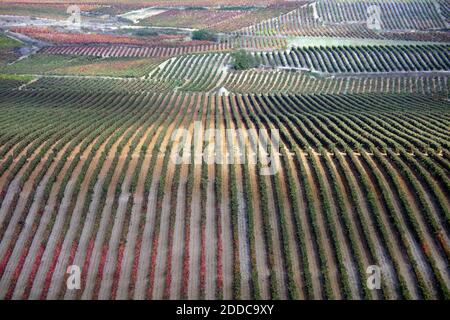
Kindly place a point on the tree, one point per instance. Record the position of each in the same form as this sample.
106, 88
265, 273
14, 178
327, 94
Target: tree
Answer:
203, 35
243, 60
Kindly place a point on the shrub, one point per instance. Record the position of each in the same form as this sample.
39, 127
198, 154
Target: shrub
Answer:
243, 60
203, 35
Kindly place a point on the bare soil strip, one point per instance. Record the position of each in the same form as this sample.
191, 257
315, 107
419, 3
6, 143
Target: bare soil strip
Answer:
350, 211
210, 232
345, 250
145, 251
278, 256
400, 255
63, 210
195, 228
178, 240
85, 239
66, 254
99, 246
227, 239
416, 247
313, 258
26, 233
161, 262
260, 247
116, 244
244, 250
326, 245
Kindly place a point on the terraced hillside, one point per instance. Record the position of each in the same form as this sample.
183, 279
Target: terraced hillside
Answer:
347, 18
362, 59
244, 82
97, 188
92, 173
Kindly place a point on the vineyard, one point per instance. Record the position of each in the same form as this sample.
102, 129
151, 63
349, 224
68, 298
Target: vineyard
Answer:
97, 189
91, 122
418, 15
245, 82
129, 51
413, 20
362, 59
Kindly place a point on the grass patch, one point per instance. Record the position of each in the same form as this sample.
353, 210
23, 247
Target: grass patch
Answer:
115, 67
16, 77
7, 42
58, 12
82, 65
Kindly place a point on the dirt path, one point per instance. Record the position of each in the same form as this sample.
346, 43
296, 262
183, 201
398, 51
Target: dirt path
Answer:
412, 243
345, 250
163, 243
63, 260
133, 234
143, 268
195, 227
146, 247
116, 236
260, 246
99, 245
41, 275
211, 237
278, 256
276, 238
363, 254
244, 250
28, 224
178, 237
227, 238
313, 259
321, 224
294, 248
400, 257
210, 227
160, 268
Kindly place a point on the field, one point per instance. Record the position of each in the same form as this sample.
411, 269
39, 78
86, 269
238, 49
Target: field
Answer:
147, 3
7, 49
91, 121
58, 12
83, 66
100, 194
221, 19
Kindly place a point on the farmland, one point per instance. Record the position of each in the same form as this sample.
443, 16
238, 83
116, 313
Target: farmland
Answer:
221, 19
7, 49
92, 120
